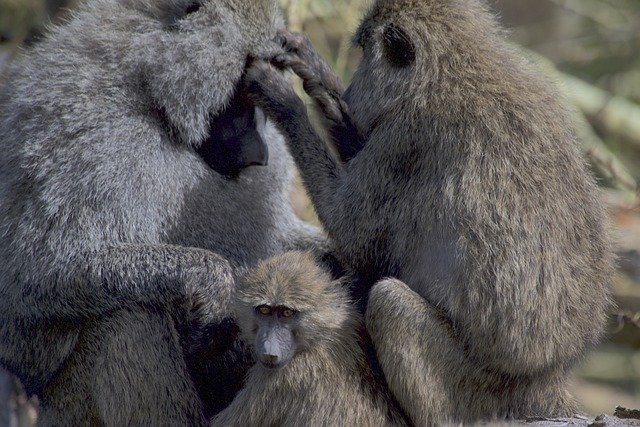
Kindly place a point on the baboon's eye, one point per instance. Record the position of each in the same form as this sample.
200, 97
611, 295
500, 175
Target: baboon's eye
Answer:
263, 310
193, 7
287, 312
399, 50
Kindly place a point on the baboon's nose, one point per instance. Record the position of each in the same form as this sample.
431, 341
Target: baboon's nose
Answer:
259, 157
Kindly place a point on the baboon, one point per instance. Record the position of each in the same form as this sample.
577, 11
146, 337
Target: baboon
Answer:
120, 232
309, 343
466, 184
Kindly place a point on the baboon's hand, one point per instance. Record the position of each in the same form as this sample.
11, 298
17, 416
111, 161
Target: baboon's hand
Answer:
209, 290
319, 81
271, 91
269, 50
298, 53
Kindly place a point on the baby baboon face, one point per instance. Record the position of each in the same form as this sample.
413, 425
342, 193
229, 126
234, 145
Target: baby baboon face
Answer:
287, 305
275, 336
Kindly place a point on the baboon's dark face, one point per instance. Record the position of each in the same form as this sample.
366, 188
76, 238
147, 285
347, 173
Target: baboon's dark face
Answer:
236, 140
288, 305
275, 343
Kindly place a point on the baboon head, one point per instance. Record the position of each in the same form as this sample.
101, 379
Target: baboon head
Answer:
415, 52
287, 305
187, 57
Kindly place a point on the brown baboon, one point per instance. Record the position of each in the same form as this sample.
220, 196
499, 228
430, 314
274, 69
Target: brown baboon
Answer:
461, 178
309, 344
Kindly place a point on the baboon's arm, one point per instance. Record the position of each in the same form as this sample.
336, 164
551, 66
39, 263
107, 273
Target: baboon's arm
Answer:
416, 350
321, 172
326, 89
122, 276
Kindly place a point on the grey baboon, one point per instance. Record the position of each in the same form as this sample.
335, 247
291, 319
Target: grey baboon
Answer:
119, 239
309, 344
466, 184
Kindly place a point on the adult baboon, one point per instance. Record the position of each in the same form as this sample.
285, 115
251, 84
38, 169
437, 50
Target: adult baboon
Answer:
466, 184
115, 235
309, 344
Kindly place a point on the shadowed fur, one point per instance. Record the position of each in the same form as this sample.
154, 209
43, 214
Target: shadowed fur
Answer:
117, 242
328, 380
463, 180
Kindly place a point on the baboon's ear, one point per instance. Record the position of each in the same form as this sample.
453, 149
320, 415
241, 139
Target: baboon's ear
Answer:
397, 46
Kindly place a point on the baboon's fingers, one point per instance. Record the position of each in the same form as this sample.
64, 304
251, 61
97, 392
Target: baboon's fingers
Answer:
259, 75
297, 64
305, 73
286, 60
270, 90
305, 61
269, 51
293, 42
328, 104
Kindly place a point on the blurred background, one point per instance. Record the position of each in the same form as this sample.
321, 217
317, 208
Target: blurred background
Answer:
591, 48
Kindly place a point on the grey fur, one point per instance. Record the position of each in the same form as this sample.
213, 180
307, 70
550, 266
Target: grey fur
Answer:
471, 190
8, 413
329, 381
114, 234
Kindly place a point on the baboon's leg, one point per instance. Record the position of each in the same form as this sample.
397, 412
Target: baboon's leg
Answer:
412, 346
436, 379
128, 369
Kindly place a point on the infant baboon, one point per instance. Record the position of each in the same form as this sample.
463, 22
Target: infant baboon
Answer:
309, 344
123, 214
466, 184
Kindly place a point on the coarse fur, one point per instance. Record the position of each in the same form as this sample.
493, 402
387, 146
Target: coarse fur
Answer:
328, 381
117, 242
464, 181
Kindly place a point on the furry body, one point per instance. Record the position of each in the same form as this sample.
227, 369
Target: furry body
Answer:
117, 241
464, 182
